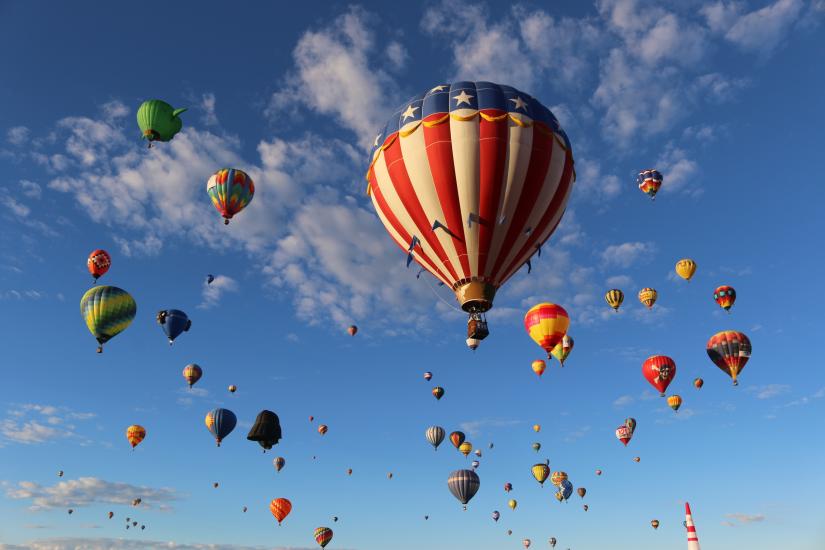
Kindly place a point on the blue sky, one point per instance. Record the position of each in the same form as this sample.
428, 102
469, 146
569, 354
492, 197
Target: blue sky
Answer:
723, 98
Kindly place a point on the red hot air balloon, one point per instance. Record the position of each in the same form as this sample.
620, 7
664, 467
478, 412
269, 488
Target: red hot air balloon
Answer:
470, 179
730, 351
98, 263
352, 330
624, 434
659, 370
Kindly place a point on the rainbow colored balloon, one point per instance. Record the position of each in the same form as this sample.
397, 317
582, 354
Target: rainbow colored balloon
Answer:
231, 190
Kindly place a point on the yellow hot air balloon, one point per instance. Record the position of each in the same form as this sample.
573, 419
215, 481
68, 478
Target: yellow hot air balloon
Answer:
465, 448
674, 402
541, 472
563, 349
614, 298
512, 504
685, 268
547, 324
536, 428
648, 297
135, 434
539, 366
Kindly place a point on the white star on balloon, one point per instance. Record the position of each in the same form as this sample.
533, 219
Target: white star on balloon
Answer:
437, 89
520, 103
410, 112
463, 97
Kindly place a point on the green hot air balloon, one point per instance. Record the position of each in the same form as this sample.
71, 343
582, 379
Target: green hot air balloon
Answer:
158, 120
108, 311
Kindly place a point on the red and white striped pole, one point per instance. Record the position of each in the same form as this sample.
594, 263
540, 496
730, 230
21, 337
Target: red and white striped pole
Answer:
693, 540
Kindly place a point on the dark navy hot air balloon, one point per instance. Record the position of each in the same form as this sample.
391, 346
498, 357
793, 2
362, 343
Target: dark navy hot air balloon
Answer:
174, 322
220, 423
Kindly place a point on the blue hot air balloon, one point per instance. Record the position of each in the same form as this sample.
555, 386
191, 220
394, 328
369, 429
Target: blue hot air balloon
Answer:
566, 489
220, 423
173, 322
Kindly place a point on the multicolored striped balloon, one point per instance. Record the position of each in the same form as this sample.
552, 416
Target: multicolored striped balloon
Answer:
323, 535
547, 324
649, 182
231, 190
108, 311
563, 349
730, 351
540, 472
725, 296
648, 296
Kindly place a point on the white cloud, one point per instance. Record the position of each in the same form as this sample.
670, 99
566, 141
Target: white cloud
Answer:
335, 75
31, 189
623, 400
592, 183
87, 491
769, 390
397, 55
475, 428
33, 424
18, 135
114, 110
746, 518
213, 291
30, 294
626, 254
207, 105
719, 88
17, 208
679, 171
760, 30
619, 281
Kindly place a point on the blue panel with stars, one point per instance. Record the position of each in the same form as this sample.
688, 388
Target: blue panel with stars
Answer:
490, 96
463, 95
437, 100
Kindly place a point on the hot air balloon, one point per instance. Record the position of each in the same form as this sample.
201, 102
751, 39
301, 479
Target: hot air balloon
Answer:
463, 484
349, 471
323, 535
142, 527
322, 429
475, 464
136, 501
279, 463
280, 508
335, 519
563, 349
536, 446
134, 524
60, 473
598, 472
311, 418
158, 121
192, 373
215, 485
730, 351
585, 507
220, 423
71, 511
174, 322
547, 324
539, 366
540, 472
352, 330
457, 438
685, 268
552, 542
674, 402
244, 509
648, 297
209, 279
111, 515
435, 435
725, 296
654, 523
428, 376
512, 503
565, 489
426, 518
698, 382
266, 430
659, 370
438, 392
232, 388
509, 532
98, 263
614, 298
526, 543
581, 491
108, 311
536, 428
630, 422
557, 477
477, 452
456, 188
636, 459
135, 434
624, 434
649, 182
465, 448
231, 190
496, 515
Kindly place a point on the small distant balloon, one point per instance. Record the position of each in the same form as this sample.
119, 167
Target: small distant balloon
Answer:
457, 438
279, 463
475, 464
648, 297
215, 485
111, 515
598, 472
232, 388
465, 448
438, 392
192, 373
428, 376
322, 429
539, 366
323, 535
685, 268
512, 503
725, 296
209, 279
636, 459
280, 508
586, 507
98, 263
536, 446
174, 322
654, 523
674, 402
536, 428
135, 434
477, 452
352, 330
508, 487
349, 471
496, 515
60, 473
698, 382
244, 509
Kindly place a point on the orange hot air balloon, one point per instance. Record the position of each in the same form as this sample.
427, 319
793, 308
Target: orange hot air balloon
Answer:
352, 330
135, 434
322, 429
98, 263
280, 508
654, 523
698, 383
636, 459
539, 366
547, 324
730, 351
648, 297
674, 402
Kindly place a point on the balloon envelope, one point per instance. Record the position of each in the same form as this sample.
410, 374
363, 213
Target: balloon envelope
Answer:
463, 484
108, 311
730, 351
220, 423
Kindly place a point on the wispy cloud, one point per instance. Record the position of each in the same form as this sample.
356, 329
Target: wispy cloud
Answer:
626, 254
207, 105
623, 400
18, 135
212, 292
31, 189
31, 424
87, 491
577, 434
819, 394
746, 518
477, 427
768, 391
760, 30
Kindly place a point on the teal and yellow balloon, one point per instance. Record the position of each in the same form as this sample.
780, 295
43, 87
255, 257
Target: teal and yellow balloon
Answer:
108, 311
231, 190
159, 121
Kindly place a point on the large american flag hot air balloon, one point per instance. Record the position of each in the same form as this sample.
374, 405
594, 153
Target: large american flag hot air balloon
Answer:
471, 178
